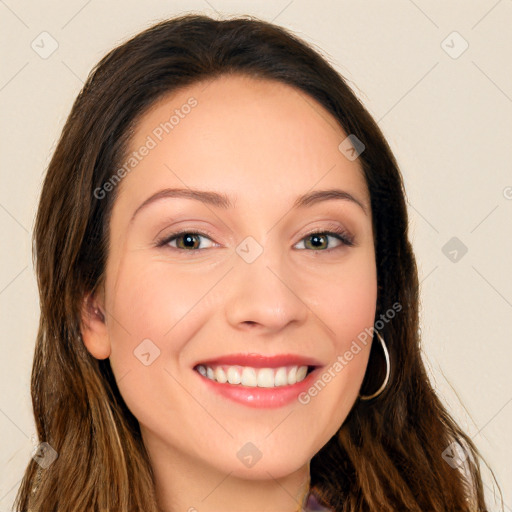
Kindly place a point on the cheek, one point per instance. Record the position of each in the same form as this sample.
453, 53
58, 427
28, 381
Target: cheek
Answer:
346, 301
154, 313
149, 302
347, 306
351, 308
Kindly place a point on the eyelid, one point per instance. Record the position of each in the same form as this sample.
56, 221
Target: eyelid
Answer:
162, 242
331, 229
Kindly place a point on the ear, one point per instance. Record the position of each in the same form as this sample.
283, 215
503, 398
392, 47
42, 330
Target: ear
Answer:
94, 328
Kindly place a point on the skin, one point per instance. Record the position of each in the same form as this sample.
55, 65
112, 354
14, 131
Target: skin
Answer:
263, 143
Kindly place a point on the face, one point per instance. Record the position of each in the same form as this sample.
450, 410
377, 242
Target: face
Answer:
214, 258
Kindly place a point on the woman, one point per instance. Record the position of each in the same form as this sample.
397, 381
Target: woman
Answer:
229, 298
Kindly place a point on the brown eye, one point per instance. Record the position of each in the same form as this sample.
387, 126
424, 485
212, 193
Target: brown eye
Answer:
319, 241
184, 240
190, 241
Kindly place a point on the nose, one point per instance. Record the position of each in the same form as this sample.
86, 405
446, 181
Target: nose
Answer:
262, 296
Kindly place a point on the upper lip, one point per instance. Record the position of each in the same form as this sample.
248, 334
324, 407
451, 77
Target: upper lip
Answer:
261, 361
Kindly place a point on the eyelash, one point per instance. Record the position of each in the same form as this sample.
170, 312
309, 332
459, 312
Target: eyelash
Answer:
334, 231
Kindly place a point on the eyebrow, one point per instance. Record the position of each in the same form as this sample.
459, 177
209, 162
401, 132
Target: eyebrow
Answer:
221, 200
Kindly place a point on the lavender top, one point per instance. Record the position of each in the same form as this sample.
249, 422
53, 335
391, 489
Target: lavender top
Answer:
313, 505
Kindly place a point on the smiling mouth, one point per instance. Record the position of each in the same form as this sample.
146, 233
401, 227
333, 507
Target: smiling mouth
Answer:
255, 377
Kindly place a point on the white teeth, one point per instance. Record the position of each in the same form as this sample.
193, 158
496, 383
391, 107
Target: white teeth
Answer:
292, 375
281, 377
220, 375
249, 377
266, 378
254, 377
233, 376
301, 373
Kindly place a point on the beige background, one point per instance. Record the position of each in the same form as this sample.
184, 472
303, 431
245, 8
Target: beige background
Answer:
447, 117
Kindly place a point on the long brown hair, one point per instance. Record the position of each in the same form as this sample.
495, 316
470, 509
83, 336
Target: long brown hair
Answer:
387, 455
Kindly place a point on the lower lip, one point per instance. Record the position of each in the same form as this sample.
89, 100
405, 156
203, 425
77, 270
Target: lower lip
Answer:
260, 398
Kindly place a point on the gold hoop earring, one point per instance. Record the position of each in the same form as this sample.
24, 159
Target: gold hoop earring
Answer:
388, 371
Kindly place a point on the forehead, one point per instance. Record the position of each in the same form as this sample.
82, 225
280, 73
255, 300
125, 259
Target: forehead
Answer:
257, 140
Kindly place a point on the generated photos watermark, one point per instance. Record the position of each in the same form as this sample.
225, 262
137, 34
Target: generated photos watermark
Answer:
343, 360
151, 142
